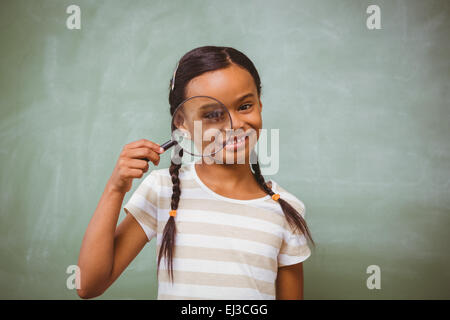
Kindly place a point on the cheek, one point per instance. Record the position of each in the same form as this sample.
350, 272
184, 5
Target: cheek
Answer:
257, 124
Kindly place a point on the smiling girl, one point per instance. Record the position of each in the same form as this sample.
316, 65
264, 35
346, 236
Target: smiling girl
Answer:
222, 231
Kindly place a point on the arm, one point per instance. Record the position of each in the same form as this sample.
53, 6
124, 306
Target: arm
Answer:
107, 251
289, 283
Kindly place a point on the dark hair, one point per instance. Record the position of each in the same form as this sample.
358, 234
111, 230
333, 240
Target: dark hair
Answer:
191, 65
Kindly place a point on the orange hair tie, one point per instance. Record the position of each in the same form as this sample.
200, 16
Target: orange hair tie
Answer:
276, 196
173, 213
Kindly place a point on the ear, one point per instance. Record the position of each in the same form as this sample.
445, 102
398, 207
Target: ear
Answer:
260, 105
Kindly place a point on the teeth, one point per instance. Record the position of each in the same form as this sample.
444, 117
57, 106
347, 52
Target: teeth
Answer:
236, 140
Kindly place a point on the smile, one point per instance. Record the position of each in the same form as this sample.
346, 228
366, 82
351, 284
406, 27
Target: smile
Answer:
236, 143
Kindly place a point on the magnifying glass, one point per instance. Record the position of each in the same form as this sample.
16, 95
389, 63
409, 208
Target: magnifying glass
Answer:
201, 126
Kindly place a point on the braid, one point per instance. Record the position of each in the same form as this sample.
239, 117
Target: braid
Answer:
176, 191
295, 220
260, 178
168, 240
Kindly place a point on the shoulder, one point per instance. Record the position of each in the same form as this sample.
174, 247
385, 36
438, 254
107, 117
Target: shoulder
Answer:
163, 176
291, 198
184, 170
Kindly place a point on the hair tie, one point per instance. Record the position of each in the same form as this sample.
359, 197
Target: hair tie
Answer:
173, 77
276, 196
173, 213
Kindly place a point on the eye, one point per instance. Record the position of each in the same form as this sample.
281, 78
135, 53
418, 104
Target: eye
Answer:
213, 116
245, 106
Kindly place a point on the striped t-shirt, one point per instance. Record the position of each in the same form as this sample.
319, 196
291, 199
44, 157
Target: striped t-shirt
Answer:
224, 248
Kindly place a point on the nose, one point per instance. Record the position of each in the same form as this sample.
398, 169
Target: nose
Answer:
236, 121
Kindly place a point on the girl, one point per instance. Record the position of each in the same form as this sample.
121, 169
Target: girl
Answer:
221, 231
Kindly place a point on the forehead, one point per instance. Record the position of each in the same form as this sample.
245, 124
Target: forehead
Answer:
226, 85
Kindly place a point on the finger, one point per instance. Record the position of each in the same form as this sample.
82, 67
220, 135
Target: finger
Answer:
137, 164
135, 173
141, 153
146, 143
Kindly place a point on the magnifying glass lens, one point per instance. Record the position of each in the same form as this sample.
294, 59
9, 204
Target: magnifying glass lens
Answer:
201, 125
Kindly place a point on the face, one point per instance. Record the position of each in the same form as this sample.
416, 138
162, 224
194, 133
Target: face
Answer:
235, 88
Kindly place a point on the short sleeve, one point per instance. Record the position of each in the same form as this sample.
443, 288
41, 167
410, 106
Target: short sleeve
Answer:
294, 248
143, 204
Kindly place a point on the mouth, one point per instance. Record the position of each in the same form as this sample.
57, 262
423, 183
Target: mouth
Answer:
236, 142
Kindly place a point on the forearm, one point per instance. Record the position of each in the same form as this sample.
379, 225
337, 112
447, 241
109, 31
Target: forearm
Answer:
97, 249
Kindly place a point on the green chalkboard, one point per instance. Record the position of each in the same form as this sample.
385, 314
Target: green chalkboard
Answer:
363, 115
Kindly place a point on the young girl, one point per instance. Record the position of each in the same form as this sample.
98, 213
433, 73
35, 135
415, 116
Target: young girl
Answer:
221, 231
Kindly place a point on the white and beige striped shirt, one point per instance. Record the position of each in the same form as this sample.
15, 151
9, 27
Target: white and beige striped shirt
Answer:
224, 248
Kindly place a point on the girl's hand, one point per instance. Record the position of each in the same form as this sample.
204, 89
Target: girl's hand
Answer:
133, 163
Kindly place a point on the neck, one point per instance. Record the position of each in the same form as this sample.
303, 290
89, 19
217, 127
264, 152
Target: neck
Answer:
230, 175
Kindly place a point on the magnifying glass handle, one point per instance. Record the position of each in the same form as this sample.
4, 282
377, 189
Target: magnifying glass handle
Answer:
165, 146
168, 144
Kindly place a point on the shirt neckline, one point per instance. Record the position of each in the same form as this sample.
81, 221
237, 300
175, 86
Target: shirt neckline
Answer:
218, 196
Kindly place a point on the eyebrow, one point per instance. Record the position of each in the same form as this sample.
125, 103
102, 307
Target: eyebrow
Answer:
210, 106
245, 96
